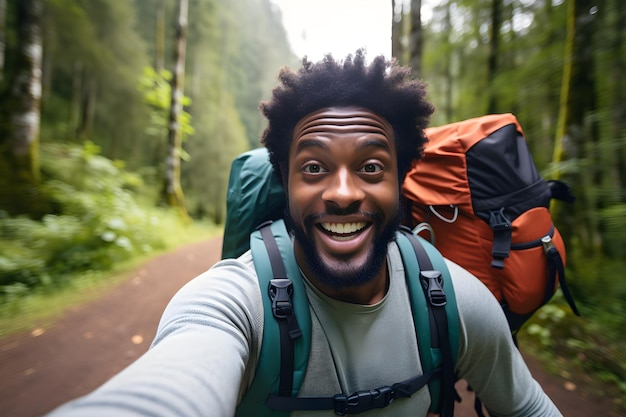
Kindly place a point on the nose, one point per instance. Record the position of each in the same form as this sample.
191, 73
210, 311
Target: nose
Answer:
343, 190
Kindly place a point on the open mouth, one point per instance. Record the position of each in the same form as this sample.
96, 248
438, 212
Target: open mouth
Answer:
343, 231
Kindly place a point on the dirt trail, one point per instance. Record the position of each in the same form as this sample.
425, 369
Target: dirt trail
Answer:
39, 371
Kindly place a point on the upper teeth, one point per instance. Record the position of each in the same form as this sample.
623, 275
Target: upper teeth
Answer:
343, 228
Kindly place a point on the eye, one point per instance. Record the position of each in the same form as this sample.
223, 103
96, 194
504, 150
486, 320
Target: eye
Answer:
372, 168
313, 168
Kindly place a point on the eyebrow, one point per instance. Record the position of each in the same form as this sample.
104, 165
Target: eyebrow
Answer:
378, 143
306, 143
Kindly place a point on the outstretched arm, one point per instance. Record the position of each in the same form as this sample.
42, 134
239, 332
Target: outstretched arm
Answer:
208, 334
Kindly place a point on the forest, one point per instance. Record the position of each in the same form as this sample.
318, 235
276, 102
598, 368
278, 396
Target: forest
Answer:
119, 121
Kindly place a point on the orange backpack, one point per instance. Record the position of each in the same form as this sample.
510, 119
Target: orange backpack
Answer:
478, 196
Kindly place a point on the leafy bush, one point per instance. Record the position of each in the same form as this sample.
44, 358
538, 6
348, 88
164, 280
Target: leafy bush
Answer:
592, 345
97, 223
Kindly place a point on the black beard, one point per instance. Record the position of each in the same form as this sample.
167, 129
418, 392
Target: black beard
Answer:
349, 276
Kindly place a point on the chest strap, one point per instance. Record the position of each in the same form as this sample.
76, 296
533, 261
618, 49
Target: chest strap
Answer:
356, 403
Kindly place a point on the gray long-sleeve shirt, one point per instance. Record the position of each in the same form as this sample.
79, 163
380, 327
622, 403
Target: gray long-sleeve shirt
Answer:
207, 345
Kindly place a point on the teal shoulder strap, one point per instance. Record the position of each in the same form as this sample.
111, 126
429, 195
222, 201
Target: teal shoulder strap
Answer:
426, 275
267, 376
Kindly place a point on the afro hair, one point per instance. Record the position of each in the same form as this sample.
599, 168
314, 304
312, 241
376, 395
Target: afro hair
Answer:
382, 87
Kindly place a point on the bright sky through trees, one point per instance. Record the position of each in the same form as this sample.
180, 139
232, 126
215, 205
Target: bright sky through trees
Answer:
339, 27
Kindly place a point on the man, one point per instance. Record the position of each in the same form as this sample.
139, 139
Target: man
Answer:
342, 136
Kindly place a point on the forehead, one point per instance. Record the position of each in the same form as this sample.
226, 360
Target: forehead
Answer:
342, 120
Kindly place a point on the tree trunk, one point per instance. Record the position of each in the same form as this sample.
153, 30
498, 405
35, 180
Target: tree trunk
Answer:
172, 190
550, 99
618, 68
47, 66
494, 50
159, 35
74, 105
396, 30
447, 72
20, 116
89, 95
576, 136
3, 22
416, 39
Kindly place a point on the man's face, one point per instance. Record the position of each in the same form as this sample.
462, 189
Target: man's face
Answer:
343, 194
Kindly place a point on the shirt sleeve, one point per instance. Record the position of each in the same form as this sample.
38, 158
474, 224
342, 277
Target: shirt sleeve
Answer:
198, 361
488, 358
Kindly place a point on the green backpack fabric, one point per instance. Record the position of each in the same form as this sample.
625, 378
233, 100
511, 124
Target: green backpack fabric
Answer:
287, 331
255, 195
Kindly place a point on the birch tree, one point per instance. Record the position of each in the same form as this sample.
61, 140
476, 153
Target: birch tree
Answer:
20, 116
172, 190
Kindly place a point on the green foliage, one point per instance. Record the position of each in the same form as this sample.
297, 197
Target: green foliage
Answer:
550, 316
97, 224
157, 92
24, 307
96, 54
98, 84
614, 222
531, 58
220, 143
93, 51
593, 344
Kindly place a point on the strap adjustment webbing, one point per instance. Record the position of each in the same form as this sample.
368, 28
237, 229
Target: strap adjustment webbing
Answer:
556, 268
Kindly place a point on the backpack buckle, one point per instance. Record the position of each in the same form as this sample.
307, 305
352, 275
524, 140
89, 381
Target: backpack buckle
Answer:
498, 220
362, 401
281, 290
280, 294
432, 281
502, 230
